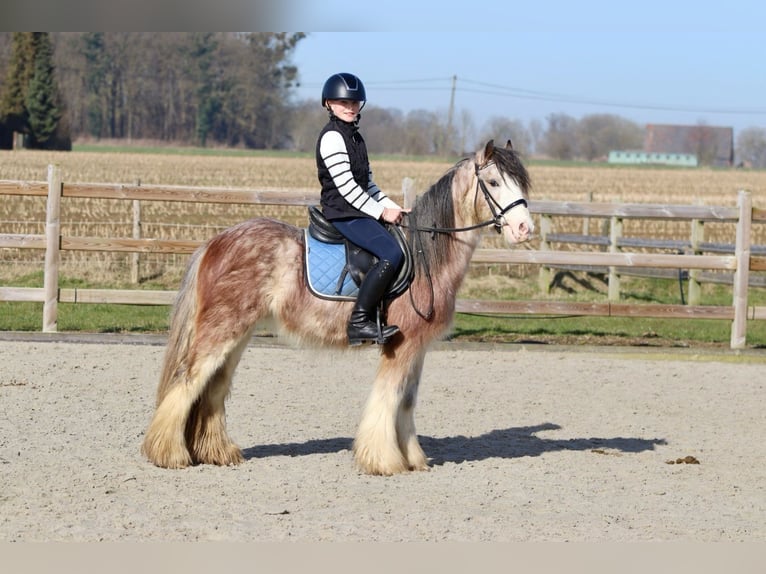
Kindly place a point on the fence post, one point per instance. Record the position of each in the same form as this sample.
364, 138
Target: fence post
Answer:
134, 259
52, 253
408, 191
742, 274
545, 274
615, 232
697, 236
586, 220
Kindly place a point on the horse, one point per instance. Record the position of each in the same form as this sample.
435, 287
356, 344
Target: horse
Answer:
254, 271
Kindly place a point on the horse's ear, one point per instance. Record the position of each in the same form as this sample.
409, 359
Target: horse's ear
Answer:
489, 149
509, 145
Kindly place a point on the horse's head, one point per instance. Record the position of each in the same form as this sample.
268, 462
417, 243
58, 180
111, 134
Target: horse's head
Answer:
503, 191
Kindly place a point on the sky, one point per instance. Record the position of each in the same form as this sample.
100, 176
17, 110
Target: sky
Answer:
648, 61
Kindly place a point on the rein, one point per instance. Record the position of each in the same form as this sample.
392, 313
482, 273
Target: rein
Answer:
494, 206
498, 212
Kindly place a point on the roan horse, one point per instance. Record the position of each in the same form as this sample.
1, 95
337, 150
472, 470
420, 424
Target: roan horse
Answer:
254, 270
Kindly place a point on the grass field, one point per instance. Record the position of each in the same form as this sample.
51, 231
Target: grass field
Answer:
248, 170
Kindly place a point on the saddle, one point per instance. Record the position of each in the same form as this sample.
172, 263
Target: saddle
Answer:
335, 267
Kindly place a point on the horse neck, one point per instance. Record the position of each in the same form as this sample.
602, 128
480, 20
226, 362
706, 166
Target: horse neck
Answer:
450, 253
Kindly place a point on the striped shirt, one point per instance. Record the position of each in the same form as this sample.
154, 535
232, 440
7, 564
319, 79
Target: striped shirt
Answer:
348, 188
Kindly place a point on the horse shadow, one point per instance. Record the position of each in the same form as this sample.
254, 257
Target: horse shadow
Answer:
514, 442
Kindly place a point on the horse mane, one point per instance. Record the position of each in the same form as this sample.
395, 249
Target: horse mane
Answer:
435, 207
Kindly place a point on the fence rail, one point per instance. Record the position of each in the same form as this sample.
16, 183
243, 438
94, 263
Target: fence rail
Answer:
737, 258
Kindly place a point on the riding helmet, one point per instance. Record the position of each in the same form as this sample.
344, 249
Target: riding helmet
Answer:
343, 86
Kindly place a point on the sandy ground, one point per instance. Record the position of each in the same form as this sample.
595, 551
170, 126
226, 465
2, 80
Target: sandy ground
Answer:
526, 444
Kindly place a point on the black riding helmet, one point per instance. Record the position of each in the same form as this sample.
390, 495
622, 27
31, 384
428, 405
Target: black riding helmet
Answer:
343, 86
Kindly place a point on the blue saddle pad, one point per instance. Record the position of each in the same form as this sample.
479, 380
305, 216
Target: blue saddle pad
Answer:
324, 266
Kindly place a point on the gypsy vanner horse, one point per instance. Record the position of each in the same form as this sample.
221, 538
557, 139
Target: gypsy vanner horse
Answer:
254, 270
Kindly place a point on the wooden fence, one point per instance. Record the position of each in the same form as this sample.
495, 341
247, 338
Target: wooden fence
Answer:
738, 258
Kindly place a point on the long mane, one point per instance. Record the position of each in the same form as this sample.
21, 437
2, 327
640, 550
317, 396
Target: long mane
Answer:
436, 207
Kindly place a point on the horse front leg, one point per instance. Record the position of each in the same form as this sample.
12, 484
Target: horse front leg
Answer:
405, 419
385, 442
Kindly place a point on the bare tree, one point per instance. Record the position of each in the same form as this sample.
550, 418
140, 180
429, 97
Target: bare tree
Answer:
465, 133
536, 134
751, 147
502, 129
598, 134
560, 138
383, 130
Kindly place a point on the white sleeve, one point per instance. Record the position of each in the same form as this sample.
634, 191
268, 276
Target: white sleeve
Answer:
378, 195
334, 154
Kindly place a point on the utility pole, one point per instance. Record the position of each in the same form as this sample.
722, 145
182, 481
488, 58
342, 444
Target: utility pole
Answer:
451, 112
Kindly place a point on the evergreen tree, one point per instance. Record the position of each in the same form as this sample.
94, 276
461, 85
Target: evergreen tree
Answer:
43, 111
94, 51
13, 112
204, 47
30, 100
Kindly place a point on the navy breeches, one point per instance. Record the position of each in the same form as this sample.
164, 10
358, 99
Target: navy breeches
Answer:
369, 234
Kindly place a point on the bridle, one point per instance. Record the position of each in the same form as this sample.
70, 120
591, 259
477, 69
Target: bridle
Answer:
498, 211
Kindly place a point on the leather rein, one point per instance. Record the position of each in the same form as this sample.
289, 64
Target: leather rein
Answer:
498, 212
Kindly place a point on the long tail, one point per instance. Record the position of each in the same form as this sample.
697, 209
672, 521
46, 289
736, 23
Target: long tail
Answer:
164, 442
182, 329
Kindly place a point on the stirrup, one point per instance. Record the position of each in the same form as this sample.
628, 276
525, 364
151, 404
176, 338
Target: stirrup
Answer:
382, 336
383, 333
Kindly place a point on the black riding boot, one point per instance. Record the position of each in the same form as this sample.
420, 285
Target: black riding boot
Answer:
363, 324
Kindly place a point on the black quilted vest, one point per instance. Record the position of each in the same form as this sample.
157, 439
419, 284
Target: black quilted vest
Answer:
333, 204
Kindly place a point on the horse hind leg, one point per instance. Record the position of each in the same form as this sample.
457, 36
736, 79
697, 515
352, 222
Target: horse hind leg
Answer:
164, 443
194, 382
206, 436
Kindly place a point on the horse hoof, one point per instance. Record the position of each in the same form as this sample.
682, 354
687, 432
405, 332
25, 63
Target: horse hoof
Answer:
174, 463
230, 456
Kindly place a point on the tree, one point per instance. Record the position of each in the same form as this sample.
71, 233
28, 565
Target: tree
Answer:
30, 102
502, 129
204, 46
751, 147
42, 98
383, 130
598, 134
560, 139
13, 112
94, 79
421, 133
264, 83
304, 121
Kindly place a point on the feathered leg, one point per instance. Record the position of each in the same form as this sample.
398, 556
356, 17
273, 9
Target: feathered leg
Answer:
379, 448
405, 419
206, 435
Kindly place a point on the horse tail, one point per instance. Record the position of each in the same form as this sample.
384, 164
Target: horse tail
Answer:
164, 442
182, 328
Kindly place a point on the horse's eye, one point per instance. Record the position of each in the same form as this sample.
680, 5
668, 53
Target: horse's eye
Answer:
494, 182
